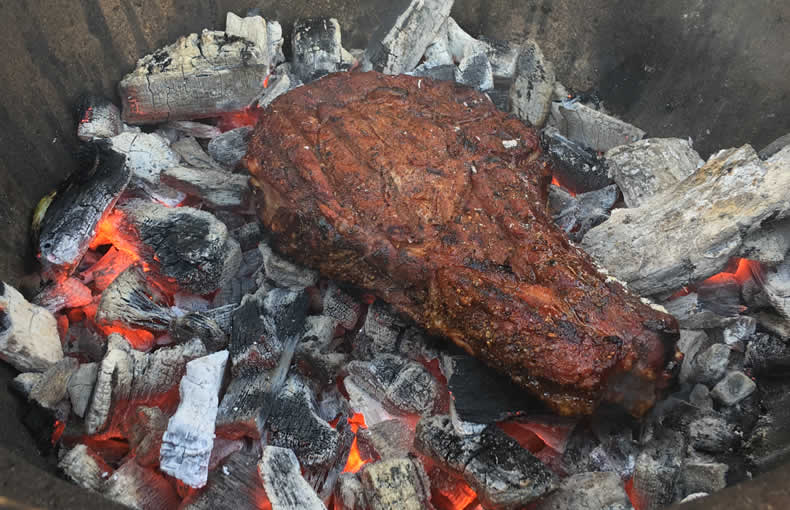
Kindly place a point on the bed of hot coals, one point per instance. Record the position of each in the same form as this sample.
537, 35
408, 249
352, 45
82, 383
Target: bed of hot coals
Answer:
172, 359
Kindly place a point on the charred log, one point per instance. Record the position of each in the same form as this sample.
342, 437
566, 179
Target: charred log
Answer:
29, 338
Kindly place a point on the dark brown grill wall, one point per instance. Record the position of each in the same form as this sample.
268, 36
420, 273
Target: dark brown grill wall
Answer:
712, 70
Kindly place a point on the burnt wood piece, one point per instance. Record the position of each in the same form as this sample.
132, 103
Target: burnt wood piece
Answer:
317, 49
80, 387
29, 338
229, 147
140, 488
97, 117
452, 232
84, 467
576, 215
501, 472
578, 169
130, 300
70, 221
217, 188
403, 386
181, 81
283, 482
238, 412
65, 293
51, 390
233, 485
145, 435
198, 325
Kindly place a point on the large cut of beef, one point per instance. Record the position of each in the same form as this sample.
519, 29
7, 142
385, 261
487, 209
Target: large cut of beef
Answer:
424, 193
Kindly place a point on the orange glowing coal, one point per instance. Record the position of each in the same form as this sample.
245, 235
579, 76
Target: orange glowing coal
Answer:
741, 270
355, 460
557, 183
241, 118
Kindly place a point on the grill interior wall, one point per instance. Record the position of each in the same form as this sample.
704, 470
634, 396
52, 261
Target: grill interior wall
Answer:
669, 67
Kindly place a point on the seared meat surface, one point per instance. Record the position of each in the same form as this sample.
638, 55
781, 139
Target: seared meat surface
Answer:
425, 194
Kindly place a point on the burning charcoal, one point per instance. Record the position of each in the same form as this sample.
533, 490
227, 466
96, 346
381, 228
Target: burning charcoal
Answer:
407, 29
404, 386
319, 366
532, 89
293, 423
500, 96
459, 43
186, 129
147, 154
113, 384
695, 249
140, 488
131, 301
389, 439
182, 244
437, 54
107, 269
700, 476
349, 494
187, 443
503, 57
145, 435
84, 467
233, 291
710, 365
283, 482
67, 293
70, 221
775, 146
29, 338
740, 331
440, 73
767, 355
657, 470
617, 450
364, 403
217, 188
319, 329
700, 397
721, 295
243, 399
691, 314
501, 472
180, 81
594, 129
480, 394
578, 214
192, 153
51, 389
691, 342
198, 325
711, 434
248, 236
379, 332
588, 491
578, 169
284, 273
776, 285
340, 306
416, 345
317, 49
187, 302
396, 484
475, 71
647, 167
229, 147
735, 387
280, 81
98, 118
233, 485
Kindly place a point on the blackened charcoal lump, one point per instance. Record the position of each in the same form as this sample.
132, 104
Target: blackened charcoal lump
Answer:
578, 169
379, 332
235, 484
132, 301
341, 306
317, 48
499, 470
440, 72
767, 355
588, 491
198, 325
768, 445
403, 386
254, 341
576, 215
735, 387
657, 470
711, 434
283, 272
282, 479
229, 147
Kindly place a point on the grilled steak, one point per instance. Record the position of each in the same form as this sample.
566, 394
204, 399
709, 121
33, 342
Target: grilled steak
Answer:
425, 194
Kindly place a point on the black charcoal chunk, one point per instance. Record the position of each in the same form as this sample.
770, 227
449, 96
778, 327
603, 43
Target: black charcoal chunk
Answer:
254, 342
474, 71
700, 476
317, 49
130, 300
440, 73
711, 434
588, 491
700, 397
711, 364
340, 306
691, 313
768, 445
403, 386
533, 86
228, 148
235, 484
576, 215
767, 355
657, 470
198, 325
735, 387
379, 333
282, 479
396, 484
216, 188
499, 470
288, 309
577, 169
721, 296
244, 397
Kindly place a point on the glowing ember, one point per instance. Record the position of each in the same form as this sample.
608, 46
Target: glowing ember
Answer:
247, 117
557, 183
632, 495
744, 269
460, 498
57, 431
355, 460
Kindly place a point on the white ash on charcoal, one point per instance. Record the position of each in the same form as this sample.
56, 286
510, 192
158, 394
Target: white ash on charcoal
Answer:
29, 338
84, 467
283, 272
480, 394
198, 76
768, 445
234, 290
657, 471
711, 434
735, 387
63, 293
385, 440
647, 167
365, 403
229, 147
201, 326
776, 283
145, 435
700, 397
774, 324
533, 86
185, 245
710, 365
248, 236
379, 333
251, 28
588, 491
126, 374
609, 447
140, 488
700, 476
23, 383
314, 362
317, 49
396, 484
349, 494
576, 215
692, 313
340, 306
68, 217
474, 71
147, 155
280, 81
97, 117
769, 244
244, 397
293, 422
185, 129
216, 188
499, 470
193, 154
578, 169
594, 129
235, 484
408, 27
740, 331
189, 439
51, 390
403, 386
285, 487
440, 73
700, 222
503, 56
767, 355
775, 146
500, 95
